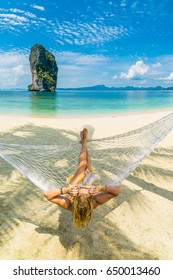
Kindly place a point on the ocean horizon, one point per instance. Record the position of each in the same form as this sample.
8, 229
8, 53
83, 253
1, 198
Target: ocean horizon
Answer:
64, 103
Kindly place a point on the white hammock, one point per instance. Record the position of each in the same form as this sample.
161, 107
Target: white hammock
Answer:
113, 158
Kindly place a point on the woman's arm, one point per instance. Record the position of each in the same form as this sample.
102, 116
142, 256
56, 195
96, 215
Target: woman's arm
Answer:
106, 193
56, 197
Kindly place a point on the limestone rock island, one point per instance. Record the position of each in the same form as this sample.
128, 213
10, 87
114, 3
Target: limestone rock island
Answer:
43, 68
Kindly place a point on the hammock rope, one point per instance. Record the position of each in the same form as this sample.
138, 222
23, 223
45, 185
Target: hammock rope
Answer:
113, 158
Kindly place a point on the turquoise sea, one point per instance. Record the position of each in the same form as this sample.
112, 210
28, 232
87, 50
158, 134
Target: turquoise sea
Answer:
77, 102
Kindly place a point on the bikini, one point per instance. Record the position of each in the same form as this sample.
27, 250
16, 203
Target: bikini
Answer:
88, 182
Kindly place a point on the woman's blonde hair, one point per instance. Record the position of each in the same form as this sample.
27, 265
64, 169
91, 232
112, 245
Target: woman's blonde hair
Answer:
82, 215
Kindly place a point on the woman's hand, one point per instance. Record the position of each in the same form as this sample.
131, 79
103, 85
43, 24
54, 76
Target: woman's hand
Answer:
74, 191
77, 191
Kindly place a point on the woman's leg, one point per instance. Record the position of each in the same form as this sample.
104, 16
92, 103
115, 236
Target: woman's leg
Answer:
80, 172
89, 166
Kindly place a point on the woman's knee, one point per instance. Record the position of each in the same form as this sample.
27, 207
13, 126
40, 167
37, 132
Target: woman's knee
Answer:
82, 164
119, 189
116, 190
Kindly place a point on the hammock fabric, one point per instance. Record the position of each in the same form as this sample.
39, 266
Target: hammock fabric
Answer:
113, 158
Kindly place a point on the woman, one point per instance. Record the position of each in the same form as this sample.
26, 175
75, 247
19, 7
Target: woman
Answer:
83, 194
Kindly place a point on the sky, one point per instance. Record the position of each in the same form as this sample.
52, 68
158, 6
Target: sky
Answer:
115, 42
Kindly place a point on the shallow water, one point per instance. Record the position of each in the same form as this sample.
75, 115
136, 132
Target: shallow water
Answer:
77, 102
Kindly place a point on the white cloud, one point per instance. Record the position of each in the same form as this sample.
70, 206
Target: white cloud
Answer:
157, 64
16, 10
19, 69
77, 58
136, 71
13, 17
66, 32
70, 42
134, 5
80, 33
168, 78
90, 59
114, 77
31, 15
41, 8
19, 20
123, 3
14, 70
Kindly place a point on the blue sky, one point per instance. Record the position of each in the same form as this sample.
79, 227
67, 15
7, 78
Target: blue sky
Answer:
116, 42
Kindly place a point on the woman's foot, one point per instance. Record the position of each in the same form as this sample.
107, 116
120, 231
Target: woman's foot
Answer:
85, 134
81, 136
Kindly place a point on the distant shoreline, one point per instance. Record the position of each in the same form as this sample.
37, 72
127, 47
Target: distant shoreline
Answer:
100, 88
103, 87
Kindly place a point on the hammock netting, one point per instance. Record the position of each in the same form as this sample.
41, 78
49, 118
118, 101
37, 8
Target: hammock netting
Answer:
113, 158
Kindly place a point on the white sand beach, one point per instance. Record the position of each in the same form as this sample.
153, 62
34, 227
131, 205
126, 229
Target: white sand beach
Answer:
136, 225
